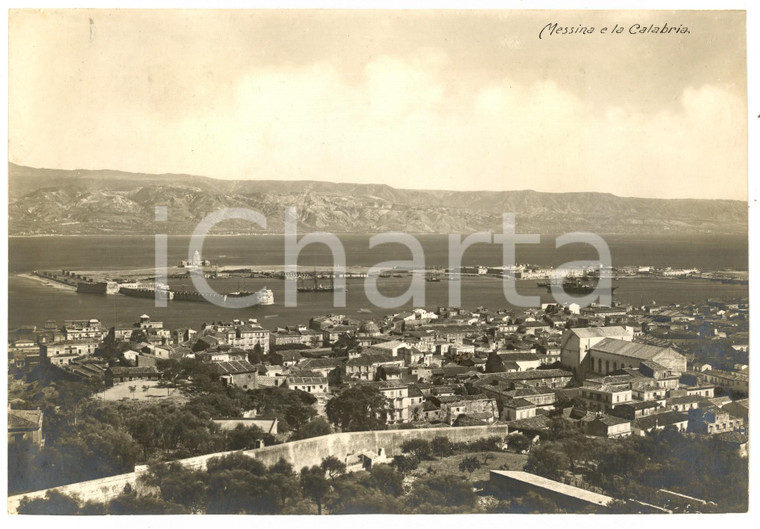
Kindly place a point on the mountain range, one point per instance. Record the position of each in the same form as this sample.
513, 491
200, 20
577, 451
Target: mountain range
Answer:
92, 202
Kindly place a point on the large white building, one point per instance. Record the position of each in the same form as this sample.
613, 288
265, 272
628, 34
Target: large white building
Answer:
576, 344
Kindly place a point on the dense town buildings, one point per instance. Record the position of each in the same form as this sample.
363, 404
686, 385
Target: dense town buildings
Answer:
611, 379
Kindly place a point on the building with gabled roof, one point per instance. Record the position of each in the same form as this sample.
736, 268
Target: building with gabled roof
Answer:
608, 426
127, 374
605, 396
713, 420
636, 409
659, 421
611, 354
239, 373
553, 378
307, 384
390, 347
25, 425
364, 367
513, 409
577, 342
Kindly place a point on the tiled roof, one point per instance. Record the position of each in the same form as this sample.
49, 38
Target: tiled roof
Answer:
134, 371
660, 420
598, 332
414, 391
686, 399
517, 356
289, 356
611, 420
639, 351
642, 405
539, 422
234, 367
24, 419
519, 403
320, 363
387, 345
307, 380
369, 359
535, 374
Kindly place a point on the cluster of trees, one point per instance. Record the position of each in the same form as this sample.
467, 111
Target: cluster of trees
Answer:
358, 408
87, 439
718, 353
242, 485
636, 467
110, 439
415, 451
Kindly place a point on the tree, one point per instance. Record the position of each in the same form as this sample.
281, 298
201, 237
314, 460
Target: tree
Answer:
560, 429
333, 466
315, 485
180, 485
239, 484
254, 356
548, 460
244, 438
131, 503
132, 390
494, 364
291, 407
442, 493
358, 408
387, 480
440, 446
313, 428
419, 447
356, 498
336, 377
405, 464
53, 503
469, 464
519, 442
138, 336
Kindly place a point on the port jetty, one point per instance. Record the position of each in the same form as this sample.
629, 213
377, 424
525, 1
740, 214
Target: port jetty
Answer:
145, 282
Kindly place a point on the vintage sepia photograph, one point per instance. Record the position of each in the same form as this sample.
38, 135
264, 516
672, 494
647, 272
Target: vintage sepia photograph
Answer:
377, 261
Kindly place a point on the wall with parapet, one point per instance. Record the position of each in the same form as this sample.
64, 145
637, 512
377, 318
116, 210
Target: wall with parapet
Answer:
306, 452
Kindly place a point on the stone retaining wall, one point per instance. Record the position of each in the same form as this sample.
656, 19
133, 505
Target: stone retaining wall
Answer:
306, 452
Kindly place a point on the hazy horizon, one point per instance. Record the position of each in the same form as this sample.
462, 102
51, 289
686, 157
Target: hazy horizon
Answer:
516, 190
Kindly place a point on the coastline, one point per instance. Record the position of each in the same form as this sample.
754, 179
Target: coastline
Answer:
47, 282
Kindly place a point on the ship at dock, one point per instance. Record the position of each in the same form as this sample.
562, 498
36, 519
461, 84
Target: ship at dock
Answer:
101, 288
576, 285
263, 297
310, 283
156, 291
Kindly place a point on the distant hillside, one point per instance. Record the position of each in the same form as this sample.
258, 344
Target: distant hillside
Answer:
49, 201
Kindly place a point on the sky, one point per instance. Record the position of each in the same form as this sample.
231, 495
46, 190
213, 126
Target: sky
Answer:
414, 99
